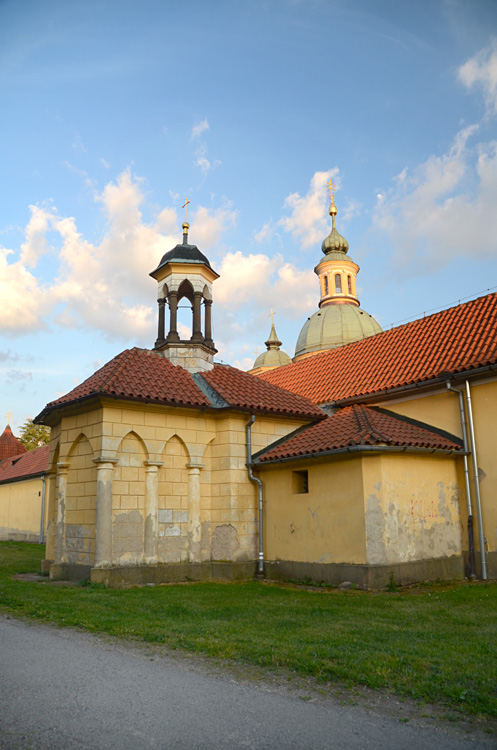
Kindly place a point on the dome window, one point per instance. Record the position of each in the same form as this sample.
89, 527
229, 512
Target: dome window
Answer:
338, 283
349, 283
326, 285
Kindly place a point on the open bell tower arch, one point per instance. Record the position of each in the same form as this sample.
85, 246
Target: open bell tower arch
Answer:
185, 273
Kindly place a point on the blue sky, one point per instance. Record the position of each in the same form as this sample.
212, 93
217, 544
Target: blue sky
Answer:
115, 111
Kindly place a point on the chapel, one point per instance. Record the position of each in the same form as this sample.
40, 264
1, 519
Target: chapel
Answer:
366, 457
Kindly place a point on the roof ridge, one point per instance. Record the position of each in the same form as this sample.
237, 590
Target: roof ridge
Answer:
366, 427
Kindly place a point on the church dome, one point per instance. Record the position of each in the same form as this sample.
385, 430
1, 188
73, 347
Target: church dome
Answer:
333, 326
273, 357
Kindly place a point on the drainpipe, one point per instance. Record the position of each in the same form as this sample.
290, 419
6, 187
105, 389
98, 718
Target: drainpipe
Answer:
471, 541
248, 429
42, 524
477, 483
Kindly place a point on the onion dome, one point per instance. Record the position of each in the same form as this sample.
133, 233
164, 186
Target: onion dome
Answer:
340, 319
334, 242
273, 357
9, 445
333, 326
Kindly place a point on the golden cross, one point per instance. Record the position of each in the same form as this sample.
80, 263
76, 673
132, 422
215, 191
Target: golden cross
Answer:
185, 205
271, 315
331, 188
9, 416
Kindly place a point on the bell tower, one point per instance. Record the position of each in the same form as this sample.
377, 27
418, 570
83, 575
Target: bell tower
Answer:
185, 273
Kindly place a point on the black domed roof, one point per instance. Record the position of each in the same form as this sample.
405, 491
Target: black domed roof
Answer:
184, 254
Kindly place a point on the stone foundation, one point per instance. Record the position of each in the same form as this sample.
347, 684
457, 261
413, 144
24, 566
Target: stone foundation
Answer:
369, 576
139, 575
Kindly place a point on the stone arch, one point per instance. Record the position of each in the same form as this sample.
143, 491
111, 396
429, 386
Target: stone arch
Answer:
206, 293
128, 500
185, 290
80, 502
173, 502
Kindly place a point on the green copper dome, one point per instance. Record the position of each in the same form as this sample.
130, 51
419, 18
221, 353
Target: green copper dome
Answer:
274, 356
334, 242
333, 326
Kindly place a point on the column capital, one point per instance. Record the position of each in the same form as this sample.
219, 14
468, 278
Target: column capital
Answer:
104, 460
195, 465
62, 467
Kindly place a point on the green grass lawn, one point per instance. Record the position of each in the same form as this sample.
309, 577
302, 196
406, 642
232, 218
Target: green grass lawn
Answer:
434, 643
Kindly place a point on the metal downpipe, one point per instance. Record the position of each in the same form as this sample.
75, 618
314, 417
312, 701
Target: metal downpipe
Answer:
471, 540
42, 520
248, 430
477, 482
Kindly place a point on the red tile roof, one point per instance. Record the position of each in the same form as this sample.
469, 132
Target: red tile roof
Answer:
244, 391
456, 340
360, 426
10, 445
136, 374
142, 375
24, 465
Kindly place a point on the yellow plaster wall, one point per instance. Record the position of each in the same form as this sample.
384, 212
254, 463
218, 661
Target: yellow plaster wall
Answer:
325, 525
442, 410
412, 508
20, 510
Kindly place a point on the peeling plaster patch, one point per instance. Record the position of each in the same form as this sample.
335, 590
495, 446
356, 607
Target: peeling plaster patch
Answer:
127, 537
481, 474
78, 544
224, 542
376, 552
172, 531
165, 516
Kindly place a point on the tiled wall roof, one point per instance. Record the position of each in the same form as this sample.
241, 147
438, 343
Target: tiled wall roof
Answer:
24, 465
456, 340
360, 425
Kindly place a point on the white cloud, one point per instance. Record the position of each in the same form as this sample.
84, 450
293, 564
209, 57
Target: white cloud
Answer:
264, 234
104, 285
200, 128
445, 207
104, 163
204, 164
307, 221
481, 71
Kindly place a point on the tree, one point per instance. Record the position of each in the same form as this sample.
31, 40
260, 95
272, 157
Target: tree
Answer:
34, 435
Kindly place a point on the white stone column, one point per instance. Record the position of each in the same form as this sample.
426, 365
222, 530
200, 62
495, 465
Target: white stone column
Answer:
194, 510
60, 529
151, 531
103, 521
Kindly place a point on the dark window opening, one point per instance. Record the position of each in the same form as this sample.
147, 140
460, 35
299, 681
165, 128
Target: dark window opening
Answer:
300, 481
338, 283
349, 281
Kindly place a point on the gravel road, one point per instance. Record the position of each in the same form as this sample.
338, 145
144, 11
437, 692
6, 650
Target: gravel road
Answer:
62, 688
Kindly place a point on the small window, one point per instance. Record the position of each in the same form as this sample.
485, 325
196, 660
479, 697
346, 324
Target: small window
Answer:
338, 283
326, 285
349, 282
300, 481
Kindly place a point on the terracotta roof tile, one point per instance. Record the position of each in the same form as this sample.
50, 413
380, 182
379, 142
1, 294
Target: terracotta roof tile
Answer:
10, 445
453, 341
360, 425
242, 390
137, 374
24, 465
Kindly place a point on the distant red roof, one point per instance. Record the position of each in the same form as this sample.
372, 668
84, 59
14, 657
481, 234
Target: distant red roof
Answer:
360, 426
24, 465
456, 340
10, 445
244, 391
142, 375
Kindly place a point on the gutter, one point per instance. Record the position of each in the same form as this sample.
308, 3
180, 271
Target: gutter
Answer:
476, 474
425, 384
248, 430
362, 449
471, 540
42, 519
